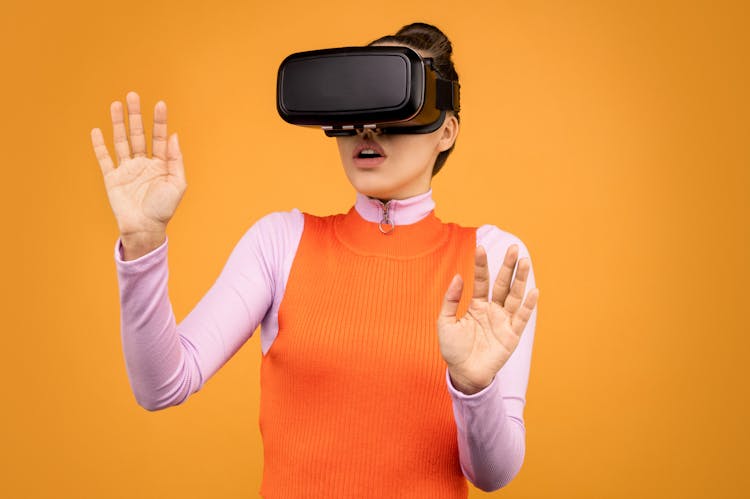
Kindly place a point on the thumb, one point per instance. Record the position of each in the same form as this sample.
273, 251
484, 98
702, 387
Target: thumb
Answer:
174, 158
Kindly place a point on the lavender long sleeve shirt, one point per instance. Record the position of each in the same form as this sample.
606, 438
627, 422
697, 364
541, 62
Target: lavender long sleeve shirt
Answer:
167, 362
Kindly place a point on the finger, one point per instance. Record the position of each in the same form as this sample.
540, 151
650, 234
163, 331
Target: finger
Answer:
481, 275
515, 297
100, 149
521, 318
174, 158
159, 148
450, 300
122, 149
137, 139
502, 282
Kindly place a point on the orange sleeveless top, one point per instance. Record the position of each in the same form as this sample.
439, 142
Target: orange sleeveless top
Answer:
354, 402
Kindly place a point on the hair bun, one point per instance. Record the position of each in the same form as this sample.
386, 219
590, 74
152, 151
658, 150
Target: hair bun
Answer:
431, 35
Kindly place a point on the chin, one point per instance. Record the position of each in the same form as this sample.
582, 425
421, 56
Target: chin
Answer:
382, 184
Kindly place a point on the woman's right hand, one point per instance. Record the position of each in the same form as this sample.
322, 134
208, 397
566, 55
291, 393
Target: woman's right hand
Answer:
143, 192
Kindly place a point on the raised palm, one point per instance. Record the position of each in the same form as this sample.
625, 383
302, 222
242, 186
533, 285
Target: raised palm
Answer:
476, 346
143, 192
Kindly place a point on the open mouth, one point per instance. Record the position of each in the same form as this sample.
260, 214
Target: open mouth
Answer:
369, 153
368, 150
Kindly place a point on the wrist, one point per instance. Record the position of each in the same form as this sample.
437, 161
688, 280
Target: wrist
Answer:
466, 387
136, 245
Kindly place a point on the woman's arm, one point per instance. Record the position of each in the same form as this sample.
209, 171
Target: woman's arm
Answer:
167, 362
490, 424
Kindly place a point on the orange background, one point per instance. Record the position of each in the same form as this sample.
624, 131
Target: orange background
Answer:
611, 137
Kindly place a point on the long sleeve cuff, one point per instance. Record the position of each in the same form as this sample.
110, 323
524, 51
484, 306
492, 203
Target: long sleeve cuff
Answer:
145, 262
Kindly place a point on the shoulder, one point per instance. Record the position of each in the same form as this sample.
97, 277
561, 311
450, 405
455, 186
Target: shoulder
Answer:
280, 221
272, 234
493, 238
277, 226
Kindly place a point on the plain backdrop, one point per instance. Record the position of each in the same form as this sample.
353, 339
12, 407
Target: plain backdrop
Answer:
611, 137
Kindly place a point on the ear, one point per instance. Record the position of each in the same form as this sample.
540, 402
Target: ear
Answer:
449, 132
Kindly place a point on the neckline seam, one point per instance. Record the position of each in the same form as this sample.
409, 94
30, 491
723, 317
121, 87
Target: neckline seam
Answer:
442, 238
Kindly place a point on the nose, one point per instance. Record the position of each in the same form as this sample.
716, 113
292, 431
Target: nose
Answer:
365, 132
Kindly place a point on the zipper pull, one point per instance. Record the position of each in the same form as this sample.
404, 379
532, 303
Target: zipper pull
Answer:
386, 220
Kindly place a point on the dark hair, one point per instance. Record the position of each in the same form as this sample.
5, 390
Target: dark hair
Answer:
433, 42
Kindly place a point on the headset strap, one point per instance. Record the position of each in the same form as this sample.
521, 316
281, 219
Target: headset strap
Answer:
446, 97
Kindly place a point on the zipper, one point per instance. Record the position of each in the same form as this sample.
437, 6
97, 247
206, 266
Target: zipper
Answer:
386, 218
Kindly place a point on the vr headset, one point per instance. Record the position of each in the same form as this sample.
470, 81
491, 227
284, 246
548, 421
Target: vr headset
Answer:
343, 90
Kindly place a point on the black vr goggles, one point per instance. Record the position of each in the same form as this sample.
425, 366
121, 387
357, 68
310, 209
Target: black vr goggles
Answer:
342, 90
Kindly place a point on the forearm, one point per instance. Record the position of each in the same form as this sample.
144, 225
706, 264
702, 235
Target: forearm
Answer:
160, 367
491, 443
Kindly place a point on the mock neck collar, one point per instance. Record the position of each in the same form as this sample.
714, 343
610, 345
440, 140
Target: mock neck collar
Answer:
412, 230
401, 211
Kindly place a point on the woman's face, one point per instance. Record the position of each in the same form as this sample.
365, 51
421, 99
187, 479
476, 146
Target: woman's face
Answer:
404, 167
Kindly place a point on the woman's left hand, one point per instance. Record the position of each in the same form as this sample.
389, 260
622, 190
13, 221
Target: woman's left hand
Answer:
478, 345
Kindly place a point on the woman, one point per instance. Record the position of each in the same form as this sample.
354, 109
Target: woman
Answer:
359, 395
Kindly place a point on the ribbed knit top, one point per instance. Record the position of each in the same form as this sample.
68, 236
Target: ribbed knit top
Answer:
360, 303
